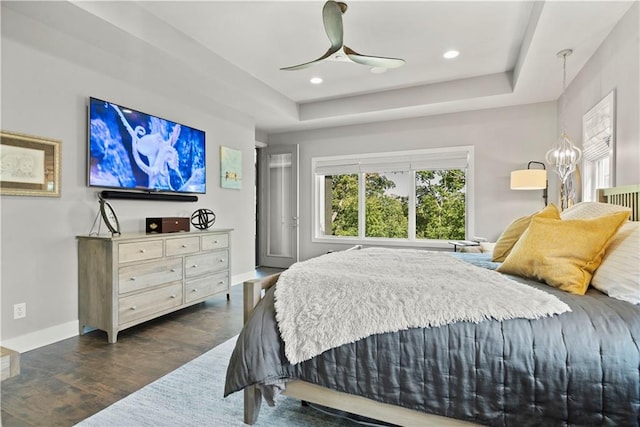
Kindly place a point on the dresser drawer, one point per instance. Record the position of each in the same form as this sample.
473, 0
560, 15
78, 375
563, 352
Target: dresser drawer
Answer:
140, 276
215, 241
200, 288
183, 245
140, 251
211, 262
144, 304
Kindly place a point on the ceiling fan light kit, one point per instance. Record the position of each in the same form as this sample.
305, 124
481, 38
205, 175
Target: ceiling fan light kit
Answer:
378, 70
450, 54
332, 19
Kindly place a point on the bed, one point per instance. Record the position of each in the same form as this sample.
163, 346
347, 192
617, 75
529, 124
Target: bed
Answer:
580, 367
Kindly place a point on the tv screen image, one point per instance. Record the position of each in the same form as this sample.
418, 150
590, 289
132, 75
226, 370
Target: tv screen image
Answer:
129, 149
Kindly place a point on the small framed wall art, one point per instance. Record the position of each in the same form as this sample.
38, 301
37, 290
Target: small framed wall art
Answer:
29, 165
230, 168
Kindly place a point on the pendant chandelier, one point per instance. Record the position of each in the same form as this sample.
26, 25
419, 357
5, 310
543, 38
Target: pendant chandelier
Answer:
564, 156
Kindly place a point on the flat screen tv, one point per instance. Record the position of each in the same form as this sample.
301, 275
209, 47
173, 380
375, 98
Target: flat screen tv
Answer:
132, 150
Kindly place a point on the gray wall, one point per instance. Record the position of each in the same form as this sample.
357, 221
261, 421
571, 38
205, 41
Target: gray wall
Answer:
615, 65
47, 96
505, 139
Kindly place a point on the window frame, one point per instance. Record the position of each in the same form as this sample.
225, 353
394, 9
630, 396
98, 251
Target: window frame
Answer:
393, 157
598, 121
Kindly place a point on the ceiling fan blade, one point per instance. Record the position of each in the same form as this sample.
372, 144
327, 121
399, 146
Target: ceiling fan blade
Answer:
373, 61
329, 52
332, 20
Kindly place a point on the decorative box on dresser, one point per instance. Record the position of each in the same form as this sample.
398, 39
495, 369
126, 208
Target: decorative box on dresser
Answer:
129, 279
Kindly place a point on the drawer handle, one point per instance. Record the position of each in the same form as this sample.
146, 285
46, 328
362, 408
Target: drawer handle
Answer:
133, 307
195, 265
184, 246
194, 290
215, 242
142, 251
173, 270
173, 296
221, 282
221, 260
133, 278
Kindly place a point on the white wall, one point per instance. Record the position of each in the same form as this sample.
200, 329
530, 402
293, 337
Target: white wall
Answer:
47, 96
505, 139
615, 65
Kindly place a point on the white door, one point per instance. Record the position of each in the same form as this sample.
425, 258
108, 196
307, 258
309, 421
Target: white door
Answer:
278, 205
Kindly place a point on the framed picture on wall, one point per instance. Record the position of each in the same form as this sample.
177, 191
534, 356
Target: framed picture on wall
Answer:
29, 165
230, 168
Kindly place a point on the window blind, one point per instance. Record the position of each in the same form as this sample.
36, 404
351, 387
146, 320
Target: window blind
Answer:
597, 147
598, 130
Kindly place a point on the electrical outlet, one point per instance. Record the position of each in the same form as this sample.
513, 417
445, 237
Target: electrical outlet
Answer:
20, 310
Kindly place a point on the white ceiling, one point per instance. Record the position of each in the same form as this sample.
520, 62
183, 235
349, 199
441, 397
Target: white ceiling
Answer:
262, 37
230, 52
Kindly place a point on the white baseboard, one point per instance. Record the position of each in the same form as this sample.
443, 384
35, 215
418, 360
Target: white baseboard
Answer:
61, 332
237, 279
42, 337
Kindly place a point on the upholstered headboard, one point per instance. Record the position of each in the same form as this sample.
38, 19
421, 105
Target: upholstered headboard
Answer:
627, 196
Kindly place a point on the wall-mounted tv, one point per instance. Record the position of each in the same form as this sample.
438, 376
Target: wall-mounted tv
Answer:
132, 150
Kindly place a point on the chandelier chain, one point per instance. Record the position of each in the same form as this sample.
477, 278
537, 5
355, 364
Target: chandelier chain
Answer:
563, 104
564, 156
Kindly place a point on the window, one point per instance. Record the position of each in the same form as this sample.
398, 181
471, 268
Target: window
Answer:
387, 204
341, 204
440, 198
598, 147
596, 175
410, 197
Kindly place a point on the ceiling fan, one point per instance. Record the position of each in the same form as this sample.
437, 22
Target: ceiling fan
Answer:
332, 18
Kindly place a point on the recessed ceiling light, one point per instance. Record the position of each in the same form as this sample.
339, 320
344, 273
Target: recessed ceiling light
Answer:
378, 70
450, 54
316, 80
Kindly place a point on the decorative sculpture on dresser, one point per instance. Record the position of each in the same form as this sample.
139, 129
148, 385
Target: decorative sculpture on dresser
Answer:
203, 219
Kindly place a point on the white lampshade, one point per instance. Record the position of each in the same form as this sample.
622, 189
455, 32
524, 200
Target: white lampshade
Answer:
529, 179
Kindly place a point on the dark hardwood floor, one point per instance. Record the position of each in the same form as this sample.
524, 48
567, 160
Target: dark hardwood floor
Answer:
68, 381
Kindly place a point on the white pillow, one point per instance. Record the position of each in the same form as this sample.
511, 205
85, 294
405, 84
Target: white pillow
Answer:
587, 210
619, 274
487, 247
470, 249
484, 247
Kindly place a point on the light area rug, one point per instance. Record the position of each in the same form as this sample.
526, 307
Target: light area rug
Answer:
192, 396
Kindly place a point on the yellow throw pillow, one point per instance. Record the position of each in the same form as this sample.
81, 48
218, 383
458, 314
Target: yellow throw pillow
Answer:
563, 253
513, 232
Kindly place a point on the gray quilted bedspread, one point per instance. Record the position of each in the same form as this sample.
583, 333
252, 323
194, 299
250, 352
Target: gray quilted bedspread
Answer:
580, 368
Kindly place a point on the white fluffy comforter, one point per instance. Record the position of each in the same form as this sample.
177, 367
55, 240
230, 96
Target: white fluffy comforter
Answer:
342, 297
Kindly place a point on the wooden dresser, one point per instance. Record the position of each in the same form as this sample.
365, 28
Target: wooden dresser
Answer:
129, 279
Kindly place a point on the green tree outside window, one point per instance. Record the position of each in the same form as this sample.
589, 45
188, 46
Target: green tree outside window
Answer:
440, 205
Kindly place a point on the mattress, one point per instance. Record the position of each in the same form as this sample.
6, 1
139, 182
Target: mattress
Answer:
577, 368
